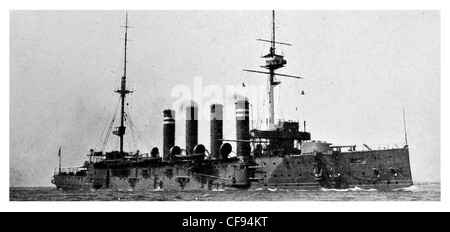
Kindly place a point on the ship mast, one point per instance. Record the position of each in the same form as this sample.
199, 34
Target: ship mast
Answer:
272, 77
273, 62
120, 131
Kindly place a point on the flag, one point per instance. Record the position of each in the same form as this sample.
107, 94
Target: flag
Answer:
59, 152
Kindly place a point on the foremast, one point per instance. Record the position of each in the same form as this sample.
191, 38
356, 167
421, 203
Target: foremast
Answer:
273, 62
123, 91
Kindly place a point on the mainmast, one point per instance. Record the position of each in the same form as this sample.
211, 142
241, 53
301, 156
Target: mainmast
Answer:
273, 30
120, 131
272, 77
273, 62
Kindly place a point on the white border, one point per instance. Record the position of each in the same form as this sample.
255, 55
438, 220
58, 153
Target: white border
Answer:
5, 205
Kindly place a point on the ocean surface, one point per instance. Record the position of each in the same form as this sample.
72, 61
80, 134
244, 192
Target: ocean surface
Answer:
418, 192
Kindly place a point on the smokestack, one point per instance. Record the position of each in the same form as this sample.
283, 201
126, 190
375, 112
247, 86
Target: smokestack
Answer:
216, 130
242, 128
168, 132
191, 128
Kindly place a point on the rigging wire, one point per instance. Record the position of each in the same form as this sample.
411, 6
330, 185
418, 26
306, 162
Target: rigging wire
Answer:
103, 132
133, 135
138, 133
111, 118
291, 110
280, 105
260, 116
265, 109
225, 135
147, 123
108, 133
128, 143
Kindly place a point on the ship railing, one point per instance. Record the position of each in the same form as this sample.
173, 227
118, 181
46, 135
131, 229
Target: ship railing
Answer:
69, 170
381, 146
96, 159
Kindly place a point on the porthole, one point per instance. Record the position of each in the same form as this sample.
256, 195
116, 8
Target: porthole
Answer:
376, 172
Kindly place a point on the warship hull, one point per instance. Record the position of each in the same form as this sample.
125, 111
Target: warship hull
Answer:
379, 169
162, 176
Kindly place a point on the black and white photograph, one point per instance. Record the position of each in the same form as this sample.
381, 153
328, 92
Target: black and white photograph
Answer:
225, 105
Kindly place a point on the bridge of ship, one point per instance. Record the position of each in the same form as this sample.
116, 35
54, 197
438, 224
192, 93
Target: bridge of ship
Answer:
286, 138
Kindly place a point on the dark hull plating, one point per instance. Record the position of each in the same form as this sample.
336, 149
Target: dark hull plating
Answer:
380, 169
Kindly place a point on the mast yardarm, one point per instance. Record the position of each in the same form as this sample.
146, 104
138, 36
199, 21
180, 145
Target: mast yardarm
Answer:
273, 62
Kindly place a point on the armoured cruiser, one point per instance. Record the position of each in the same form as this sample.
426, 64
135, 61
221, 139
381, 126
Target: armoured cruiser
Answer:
282, 156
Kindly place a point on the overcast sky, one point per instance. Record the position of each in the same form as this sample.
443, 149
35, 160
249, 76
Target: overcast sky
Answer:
360, 69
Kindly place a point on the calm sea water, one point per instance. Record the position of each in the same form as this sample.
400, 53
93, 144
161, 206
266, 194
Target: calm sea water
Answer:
418, 192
